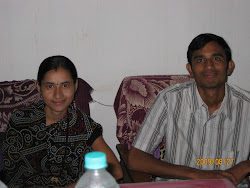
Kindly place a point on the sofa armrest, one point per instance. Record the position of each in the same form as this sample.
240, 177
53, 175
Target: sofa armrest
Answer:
130, 176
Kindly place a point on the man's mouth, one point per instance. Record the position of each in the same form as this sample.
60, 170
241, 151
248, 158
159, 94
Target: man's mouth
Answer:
210, 74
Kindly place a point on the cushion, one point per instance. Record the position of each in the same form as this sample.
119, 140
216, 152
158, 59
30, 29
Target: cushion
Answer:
133, 100
14, 95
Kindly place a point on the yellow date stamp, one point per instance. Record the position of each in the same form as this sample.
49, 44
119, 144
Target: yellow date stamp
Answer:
215, 161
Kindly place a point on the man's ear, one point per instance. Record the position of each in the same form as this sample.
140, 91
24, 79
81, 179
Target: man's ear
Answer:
189, 69
76, 85
230, 68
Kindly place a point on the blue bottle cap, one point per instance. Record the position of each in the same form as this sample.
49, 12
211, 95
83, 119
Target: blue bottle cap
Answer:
95, 160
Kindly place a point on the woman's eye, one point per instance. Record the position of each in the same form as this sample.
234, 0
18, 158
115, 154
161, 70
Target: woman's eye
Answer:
65, 85
50, 86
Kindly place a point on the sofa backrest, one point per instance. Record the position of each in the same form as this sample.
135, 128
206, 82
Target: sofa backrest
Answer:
17, 94
133, 100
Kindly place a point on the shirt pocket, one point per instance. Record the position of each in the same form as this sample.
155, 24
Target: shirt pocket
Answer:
220, 160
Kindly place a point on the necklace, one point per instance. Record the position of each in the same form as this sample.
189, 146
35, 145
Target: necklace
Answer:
53, 178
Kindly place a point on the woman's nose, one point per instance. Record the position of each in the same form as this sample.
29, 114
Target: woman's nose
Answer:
58, 92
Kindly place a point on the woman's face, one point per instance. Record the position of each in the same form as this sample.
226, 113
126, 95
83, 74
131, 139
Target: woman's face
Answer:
57, 89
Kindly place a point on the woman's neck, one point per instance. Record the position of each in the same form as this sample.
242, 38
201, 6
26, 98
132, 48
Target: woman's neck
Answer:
53, 117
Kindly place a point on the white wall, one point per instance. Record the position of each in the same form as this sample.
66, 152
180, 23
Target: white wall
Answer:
111, 39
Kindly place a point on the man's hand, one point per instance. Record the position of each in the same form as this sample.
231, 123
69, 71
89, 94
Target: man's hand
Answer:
215, 174
240, 170
141, 161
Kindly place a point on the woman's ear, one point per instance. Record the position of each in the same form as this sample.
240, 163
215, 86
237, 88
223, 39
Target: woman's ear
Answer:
76, 85
38, 87
39, 90
189, 69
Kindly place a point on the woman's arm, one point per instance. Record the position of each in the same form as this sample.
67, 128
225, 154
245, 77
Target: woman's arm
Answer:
114, 165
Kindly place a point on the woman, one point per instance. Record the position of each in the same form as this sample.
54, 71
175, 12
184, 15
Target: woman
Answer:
46, 142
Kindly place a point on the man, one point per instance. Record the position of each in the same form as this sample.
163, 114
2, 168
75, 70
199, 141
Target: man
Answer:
206, 122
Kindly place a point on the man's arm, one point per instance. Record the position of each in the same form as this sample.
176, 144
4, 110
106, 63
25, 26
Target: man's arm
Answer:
141, 161
240, 170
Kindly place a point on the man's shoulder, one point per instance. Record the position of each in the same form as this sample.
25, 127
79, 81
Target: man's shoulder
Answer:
178, 87
238, 92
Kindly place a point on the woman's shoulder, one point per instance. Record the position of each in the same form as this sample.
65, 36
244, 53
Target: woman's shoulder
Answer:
86, 119
32, 107
28, 113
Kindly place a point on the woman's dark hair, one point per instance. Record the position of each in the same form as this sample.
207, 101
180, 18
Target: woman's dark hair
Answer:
53, 63
201, 40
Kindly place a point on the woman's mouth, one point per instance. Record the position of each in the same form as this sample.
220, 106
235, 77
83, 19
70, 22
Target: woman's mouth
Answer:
58, 102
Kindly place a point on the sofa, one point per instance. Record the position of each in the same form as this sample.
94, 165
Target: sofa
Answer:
133, 99
16, 94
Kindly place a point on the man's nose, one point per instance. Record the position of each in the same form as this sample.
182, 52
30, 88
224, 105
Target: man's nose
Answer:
209, 64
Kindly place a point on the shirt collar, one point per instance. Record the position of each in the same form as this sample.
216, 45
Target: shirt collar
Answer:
226, 105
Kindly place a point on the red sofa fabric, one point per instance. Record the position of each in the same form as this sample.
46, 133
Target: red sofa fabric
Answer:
14, 95
133, 100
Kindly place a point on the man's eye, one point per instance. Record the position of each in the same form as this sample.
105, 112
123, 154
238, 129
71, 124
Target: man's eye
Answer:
199, 60
217, 58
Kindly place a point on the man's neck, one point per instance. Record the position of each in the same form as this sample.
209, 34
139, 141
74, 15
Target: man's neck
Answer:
212, 97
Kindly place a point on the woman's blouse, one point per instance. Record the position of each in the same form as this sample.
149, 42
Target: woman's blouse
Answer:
40, 155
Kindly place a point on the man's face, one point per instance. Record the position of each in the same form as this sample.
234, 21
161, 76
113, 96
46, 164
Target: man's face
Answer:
209, 66
57, 89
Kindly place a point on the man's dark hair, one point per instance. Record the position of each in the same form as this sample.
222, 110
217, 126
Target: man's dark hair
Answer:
53, 63
201, 40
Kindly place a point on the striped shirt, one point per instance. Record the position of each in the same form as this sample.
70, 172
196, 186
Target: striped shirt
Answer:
195, 138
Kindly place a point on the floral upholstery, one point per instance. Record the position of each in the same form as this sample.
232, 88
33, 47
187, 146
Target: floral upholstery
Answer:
17, 94
133, 100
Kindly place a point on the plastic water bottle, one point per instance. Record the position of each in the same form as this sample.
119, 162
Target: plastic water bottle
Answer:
2, 185
96, 175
